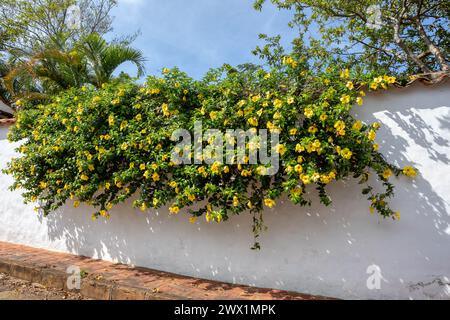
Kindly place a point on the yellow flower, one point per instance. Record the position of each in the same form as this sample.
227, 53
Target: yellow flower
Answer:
397, 215
261, 170
387, 173
109, 206
269, 202
276, 115
376, 125
143, 207
107, 185
76, 204
192, 220
315, 146
280, 148
213, 115
346, 153
372, 135
104, 213
138, 117
290, 61
293, 131
215, 168
124, 146
174, 209
84, 177
339, 125
253, 121
357, 125
350, 85
376, 146
155, 177
256, 98
312, 129
298, 168
309, 112
165, 109
235, 201
111, 120
315, 177
378, 79
290, 100
409, 171
359, 101
202, 171
226, 169
390, 79
345, 99
277, 103
165, 70
306, 179
246, 173
345, 74
374, 86
299, 148
323, 117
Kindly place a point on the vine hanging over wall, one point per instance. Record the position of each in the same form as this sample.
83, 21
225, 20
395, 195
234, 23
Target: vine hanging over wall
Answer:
103, 146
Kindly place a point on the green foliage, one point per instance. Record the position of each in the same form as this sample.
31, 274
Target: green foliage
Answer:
91, 60
402, 38
102, 146
28, 26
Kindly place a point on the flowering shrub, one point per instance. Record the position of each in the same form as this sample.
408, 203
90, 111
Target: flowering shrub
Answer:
101, 147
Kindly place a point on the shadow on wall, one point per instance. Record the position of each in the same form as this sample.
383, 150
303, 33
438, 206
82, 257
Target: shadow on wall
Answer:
3, 133
313, 250
416, 131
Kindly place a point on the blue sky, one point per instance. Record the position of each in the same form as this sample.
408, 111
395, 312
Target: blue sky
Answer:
196, 35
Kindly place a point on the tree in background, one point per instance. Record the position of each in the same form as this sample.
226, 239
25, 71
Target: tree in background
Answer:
29, 26
401, 37
91, 60
45, 51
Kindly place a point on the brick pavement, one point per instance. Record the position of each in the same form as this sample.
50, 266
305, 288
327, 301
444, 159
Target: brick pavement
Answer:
109, 281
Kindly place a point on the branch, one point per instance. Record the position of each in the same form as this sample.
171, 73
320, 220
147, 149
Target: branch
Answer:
434, 50
396, 23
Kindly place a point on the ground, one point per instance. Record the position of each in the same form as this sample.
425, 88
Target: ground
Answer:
16, 289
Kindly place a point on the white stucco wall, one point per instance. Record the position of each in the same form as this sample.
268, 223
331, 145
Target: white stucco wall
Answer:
314, 250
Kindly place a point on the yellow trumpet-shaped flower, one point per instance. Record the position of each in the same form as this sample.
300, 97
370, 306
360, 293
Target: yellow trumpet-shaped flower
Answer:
387, 173
409, 171
309, 113
350, 85
174, 209
269, 202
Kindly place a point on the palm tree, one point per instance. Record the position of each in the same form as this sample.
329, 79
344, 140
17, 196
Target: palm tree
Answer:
105, 58
91, 60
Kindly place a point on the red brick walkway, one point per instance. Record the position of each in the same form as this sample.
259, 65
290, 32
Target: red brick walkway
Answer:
105, 280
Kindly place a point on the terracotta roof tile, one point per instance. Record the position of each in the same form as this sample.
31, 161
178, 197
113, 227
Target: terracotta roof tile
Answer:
7, 122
